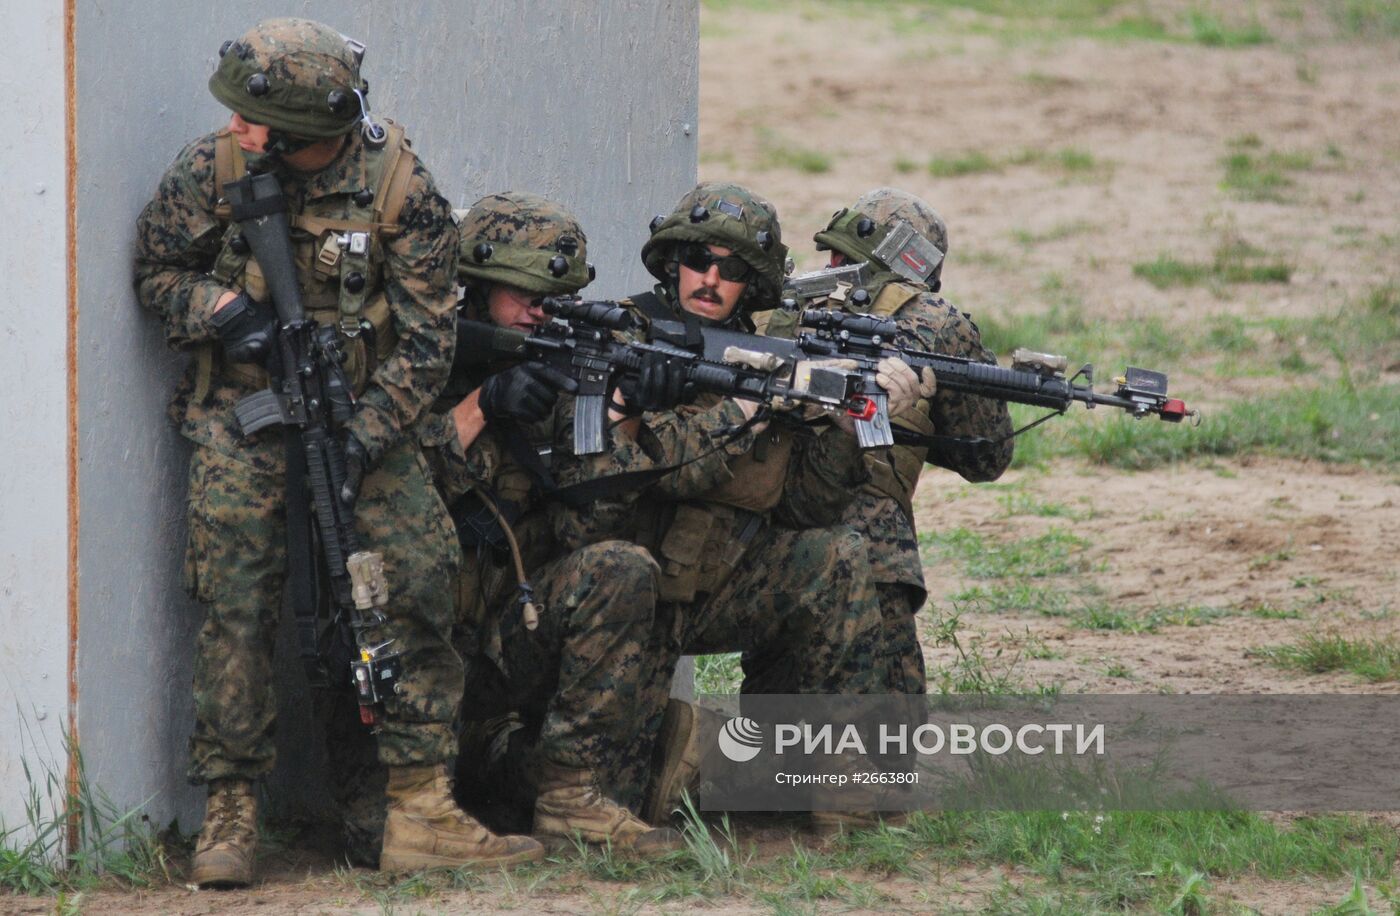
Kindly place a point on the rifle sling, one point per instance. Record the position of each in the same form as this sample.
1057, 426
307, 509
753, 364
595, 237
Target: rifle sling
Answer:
578, 495
301, 558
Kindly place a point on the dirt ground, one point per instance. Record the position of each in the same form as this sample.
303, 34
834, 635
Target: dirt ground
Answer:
875, 91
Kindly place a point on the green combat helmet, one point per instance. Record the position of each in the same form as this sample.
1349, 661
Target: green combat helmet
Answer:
522, 240
894, 230
299, 77
731, 216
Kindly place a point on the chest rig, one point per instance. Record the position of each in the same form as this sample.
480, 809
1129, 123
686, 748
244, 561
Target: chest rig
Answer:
699, 543
894, 472
338, 244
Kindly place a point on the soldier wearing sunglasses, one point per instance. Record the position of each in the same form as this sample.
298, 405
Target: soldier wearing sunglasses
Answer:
744, 530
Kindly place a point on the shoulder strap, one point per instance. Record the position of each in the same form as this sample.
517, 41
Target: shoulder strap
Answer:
392, 184
229, 165
892, 298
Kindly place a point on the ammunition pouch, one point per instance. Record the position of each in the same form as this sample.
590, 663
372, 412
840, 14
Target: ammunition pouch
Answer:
894, 472
338, 248
758, 474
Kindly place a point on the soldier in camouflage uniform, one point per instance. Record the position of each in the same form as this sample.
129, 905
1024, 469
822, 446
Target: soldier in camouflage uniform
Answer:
883, 511
296, 94
745, 530
571, 665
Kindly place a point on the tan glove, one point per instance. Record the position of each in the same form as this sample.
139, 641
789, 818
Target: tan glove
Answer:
902, 385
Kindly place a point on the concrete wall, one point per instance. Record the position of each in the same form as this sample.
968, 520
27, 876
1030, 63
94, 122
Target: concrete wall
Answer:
591, 101
33, 411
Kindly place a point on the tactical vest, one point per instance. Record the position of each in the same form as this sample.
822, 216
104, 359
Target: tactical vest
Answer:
698, 544
894, 472
326, 257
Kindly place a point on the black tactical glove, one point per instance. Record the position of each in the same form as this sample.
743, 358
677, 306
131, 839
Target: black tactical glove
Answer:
357, 461
660, 384
523, 394
246, 328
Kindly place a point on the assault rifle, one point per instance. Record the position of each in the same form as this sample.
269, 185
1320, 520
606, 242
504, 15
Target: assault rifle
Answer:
580, 341
311, 399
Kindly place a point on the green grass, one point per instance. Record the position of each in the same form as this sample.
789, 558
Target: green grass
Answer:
1207, 29
1332, 422
1375, 660
1057, 552
1260, 176
1018, 597
719, 674
1101, 616
970, 163
1055, 233
1372, 19
113, 844
1234, 262
776, 152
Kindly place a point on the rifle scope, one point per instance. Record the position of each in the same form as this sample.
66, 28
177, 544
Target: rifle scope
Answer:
599, 314
854, 325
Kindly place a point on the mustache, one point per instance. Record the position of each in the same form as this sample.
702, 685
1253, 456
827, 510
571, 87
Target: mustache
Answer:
708, 293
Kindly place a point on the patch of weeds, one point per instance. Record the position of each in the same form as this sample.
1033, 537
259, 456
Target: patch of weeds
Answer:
716, 863
973, 671
1045, 80
1034, 647
1137, 843
1069, 160
1375, 660
1333, 422
1056, 552
1154, 339
1018, 503
1018, 597
1266, 611
1118, 670
1056, 327
969, 163
779, 153
905, 166
718, 674
1234, 262
1190, 898
1265, 560
1118, 620
1208, 30
1354, 903
112, 843
1055, 233
1227, 334
1260, 177
1365, 18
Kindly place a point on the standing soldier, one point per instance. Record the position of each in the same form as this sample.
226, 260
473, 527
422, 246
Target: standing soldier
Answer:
295, 90
972, 433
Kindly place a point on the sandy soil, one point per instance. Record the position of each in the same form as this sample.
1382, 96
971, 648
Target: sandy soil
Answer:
874, 91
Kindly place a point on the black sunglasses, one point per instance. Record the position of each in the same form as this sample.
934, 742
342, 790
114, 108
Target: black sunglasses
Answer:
700, 259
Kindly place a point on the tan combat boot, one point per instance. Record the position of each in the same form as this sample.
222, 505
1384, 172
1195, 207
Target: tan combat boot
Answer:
676, 762
424, 827
228, 841
569, 804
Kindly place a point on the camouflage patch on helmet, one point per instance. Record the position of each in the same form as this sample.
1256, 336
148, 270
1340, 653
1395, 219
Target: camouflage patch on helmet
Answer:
728, 215
884, 207
523, 240
294, 75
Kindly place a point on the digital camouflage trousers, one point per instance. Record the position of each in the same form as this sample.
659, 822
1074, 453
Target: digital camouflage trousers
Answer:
236, 565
